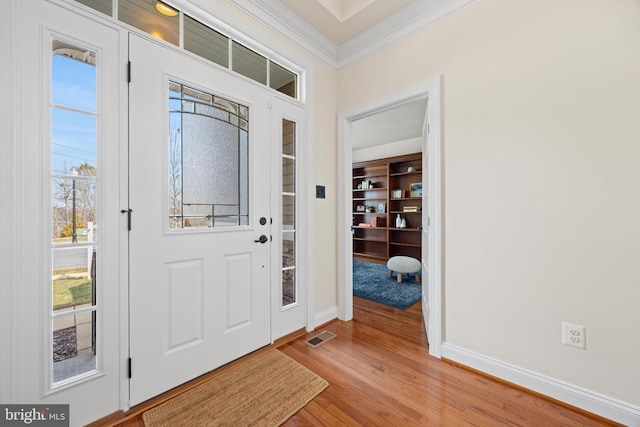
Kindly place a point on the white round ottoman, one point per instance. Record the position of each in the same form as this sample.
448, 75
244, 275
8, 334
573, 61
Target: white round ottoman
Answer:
404, 264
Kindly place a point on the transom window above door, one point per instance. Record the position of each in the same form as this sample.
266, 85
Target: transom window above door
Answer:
208, 160
164, 22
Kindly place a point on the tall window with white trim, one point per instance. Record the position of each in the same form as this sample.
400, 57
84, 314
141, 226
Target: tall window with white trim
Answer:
74, 222
289, 285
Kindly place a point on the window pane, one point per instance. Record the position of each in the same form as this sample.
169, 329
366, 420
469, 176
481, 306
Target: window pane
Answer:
249, 63
73, 277
160, 21
288, 249
208, 161
288, 175
74, 216
206, 42
103, 6
73, 345
282, 80
73, 140
288, 212
288, 137
288, 286
74, 80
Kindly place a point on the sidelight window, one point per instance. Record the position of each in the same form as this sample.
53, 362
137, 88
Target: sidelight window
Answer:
74, 221
289, 285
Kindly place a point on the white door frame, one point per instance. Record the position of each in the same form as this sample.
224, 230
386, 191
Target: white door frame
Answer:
432, 149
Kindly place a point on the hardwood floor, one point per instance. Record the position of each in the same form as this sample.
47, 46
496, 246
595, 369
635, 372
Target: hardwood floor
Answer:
381, 374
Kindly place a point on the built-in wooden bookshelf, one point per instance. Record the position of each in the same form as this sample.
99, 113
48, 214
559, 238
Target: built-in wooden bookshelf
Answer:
384, 189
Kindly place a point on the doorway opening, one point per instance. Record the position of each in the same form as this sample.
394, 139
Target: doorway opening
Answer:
430, 219
387, 203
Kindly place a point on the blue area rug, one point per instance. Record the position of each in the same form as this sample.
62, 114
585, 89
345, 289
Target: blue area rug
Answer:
372, 282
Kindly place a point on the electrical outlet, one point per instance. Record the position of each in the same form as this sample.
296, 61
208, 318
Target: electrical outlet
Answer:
574, 335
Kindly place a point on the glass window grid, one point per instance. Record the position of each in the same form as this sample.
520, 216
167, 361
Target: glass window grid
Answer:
186, 100
75, 369
290, 89
289, 294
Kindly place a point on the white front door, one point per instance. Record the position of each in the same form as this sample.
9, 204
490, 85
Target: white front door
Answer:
200, 235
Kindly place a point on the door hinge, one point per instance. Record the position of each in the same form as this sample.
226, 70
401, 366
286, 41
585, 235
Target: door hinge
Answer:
129, 72
129, 368
128, 212
428, 221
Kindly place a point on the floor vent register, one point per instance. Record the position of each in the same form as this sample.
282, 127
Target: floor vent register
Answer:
320, 339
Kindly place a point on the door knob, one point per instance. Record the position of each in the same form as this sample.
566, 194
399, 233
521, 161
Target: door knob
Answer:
262, 239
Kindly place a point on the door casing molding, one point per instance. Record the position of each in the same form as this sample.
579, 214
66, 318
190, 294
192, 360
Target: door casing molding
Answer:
431, 90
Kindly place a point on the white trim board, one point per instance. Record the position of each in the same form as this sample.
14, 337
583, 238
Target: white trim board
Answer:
8, 85
417, 16
587, 400
323, 317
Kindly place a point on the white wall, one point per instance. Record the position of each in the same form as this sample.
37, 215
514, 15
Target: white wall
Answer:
541, 108
324, 157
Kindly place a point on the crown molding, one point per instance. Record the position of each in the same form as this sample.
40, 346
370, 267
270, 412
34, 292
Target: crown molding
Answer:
407, 21
285, 22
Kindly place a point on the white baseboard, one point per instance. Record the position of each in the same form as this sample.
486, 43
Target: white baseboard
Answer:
587, 400
325, 316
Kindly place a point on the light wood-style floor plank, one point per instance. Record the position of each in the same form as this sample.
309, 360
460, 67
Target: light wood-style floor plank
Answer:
380, 374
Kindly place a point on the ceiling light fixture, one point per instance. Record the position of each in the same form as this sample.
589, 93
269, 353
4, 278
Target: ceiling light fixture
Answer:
165, 9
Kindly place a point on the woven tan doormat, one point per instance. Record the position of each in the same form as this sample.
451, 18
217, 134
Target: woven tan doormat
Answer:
263, 391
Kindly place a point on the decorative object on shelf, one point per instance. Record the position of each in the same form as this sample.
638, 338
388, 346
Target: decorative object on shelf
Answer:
376, 221
411, 169
360, 208
403, 223
369, 209
398, 221
382, 207
360, 186
410, 209
416, 189
364, 224
366, 185
396, 194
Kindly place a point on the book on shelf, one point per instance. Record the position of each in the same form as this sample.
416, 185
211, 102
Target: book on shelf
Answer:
410, 209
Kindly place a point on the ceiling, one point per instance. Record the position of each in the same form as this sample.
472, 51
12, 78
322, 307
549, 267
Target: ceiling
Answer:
341, 20
353, 28
400, 123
